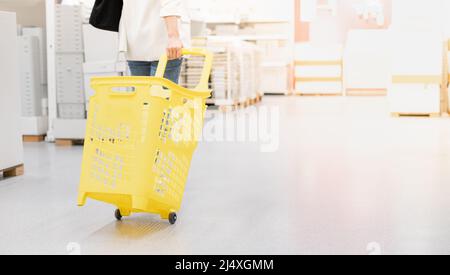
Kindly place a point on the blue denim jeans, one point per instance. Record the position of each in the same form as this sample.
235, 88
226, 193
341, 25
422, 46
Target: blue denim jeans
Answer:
146, 68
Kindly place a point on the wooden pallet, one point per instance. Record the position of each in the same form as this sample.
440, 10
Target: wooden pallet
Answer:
212, 105
239, 104
317, 94
435, 115
243, 104
227, 108
33, 138
68, 142
15, 171
366, 92
253, 101
256, 100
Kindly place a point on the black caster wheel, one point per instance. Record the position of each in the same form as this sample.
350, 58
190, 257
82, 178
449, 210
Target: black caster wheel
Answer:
118, 215
173, 218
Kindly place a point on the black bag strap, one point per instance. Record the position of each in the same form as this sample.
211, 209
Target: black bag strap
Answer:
106, 15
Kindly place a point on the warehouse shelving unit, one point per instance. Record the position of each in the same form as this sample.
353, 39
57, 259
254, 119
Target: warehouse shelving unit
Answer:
64, 61
76, 52
276, 53
271, 33
253, 51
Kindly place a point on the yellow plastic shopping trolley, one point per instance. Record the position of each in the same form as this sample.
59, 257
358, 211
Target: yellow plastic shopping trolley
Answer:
140, 137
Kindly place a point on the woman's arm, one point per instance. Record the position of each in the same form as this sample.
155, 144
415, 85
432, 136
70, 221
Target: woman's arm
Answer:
171, 11
175, 45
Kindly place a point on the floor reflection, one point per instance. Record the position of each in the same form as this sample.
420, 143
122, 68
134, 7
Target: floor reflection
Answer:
135, 227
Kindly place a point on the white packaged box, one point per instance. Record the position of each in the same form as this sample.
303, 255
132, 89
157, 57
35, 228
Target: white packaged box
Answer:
319, 61
41, 36
100, 45
318, 88
414, 98
34, 126
318, 71
227, 30
274, 79
416, 55
318, 52
419, 15
71, 111
265, 29
446, 24
448, 59
69, 128
416, 52
274, 51
367, 60
30, 77
104, 67
69, 78
11, 146
68, 33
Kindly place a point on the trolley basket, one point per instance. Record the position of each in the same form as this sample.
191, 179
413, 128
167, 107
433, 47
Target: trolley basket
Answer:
141, 134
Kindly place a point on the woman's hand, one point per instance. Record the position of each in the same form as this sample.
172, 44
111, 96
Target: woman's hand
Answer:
174, 48
175, 45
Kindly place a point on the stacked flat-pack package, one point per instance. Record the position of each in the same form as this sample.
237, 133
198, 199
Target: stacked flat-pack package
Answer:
417, 67
30, 77
40, 34
193, 73
219, 76
11, 147
34, 120
366, 61
235, 71
274, 56
249, 72
318, 69
69, 62
417, 36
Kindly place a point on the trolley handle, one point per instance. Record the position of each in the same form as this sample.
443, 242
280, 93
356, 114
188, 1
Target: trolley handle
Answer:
120, 86
203, 85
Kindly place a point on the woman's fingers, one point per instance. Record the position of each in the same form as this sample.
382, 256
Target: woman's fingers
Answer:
169, 53
174, 53
174, 49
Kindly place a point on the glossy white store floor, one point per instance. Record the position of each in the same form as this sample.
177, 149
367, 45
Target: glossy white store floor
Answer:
347, 178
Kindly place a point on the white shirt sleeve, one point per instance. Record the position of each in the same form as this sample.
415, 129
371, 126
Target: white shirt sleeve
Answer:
171, 8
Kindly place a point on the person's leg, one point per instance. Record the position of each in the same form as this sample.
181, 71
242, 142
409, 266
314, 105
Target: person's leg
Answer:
140, 68
173, 69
